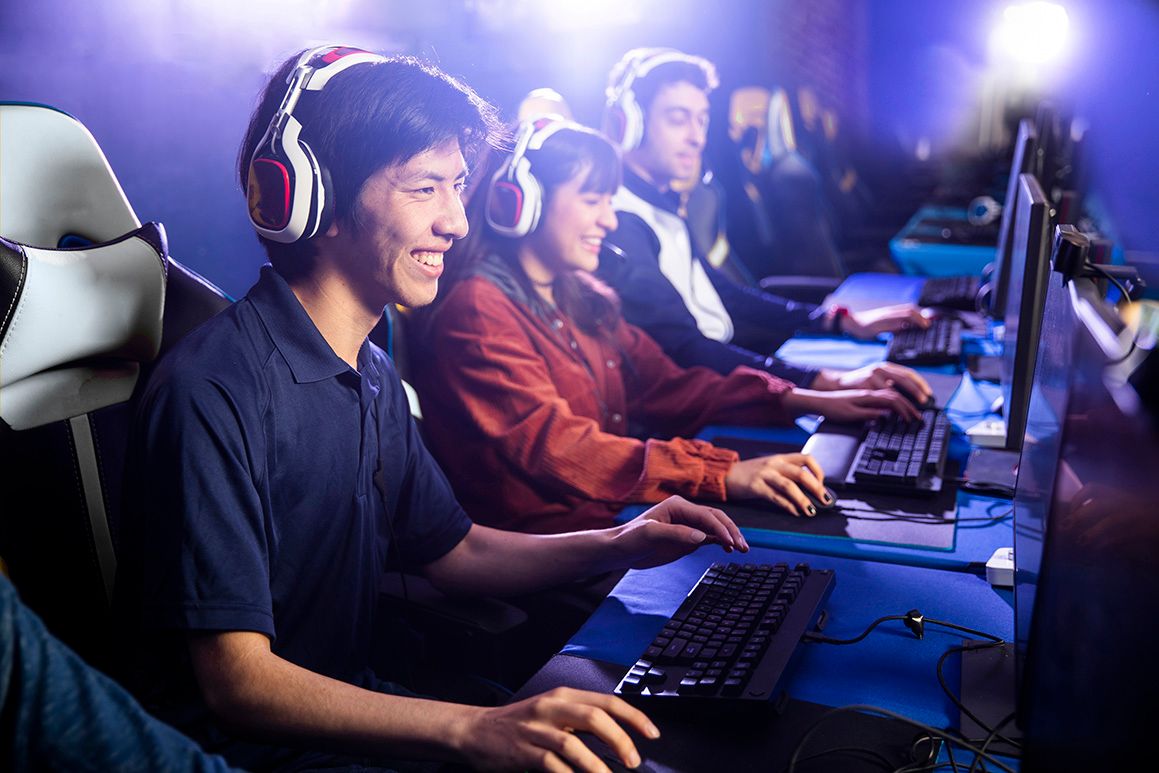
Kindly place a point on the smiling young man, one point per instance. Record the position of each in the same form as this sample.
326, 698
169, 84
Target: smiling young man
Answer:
275, 473
658, 111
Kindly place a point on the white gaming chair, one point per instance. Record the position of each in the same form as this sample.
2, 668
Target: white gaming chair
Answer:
88, 299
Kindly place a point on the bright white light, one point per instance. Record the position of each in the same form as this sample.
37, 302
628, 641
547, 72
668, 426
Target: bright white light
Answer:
591, 14
1034, 33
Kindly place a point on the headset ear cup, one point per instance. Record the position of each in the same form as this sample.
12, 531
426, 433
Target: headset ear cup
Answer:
532, 198
269, 187
324, 192
504, 205
615, 123
633, 122
314, 198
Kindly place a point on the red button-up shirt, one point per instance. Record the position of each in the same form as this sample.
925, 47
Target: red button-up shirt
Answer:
528, 417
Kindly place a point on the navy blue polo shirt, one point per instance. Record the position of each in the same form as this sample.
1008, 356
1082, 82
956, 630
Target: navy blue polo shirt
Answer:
268, 480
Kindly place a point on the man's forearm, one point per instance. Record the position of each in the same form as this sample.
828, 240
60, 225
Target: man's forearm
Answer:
494, 562
260, 694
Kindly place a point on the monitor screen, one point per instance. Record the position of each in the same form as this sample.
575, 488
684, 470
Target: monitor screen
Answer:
1025, 161
1041, 445
1029, 266
1086, 538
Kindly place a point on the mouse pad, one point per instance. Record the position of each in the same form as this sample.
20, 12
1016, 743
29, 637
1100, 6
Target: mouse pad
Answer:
693, 739
920, 522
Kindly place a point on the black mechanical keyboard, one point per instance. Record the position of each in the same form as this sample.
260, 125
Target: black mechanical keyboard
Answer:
938, 344
899, 456
732, 638
951, 292
888, 455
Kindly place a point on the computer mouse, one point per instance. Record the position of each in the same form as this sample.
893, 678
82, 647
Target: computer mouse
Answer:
921, 405
821, 505
610, 758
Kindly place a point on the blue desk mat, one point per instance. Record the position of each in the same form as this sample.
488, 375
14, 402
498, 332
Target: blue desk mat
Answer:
890, 668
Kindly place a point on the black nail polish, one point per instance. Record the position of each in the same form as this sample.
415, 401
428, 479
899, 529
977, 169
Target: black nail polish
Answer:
811, 510
828, 499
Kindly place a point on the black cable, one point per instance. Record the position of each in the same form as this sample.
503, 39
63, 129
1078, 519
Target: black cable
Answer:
990, 738
916, 622
930, 762
820, 639
933, 732
985, 488
955, 700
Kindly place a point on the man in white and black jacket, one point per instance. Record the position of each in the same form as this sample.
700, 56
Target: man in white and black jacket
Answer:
658, 112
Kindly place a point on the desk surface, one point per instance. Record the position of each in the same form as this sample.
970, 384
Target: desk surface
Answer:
890, 668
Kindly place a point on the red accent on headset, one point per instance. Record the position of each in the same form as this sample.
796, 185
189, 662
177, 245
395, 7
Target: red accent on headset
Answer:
269, 193
330, 57
506, 203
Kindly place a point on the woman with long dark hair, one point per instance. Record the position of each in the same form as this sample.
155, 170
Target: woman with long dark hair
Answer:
535, 390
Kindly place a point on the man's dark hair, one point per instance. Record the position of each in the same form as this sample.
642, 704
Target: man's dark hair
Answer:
693, 69
368, 117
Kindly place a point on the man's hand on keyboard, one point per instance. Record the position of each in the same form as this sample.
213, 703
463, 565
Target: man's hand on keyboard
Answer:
673, 529
882, 375
781, 479
537, 733
851, 405
884, 319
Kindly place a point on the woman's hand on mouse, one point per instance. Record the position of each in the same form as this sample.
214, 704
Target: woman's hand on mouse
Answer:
781, 479
881, 375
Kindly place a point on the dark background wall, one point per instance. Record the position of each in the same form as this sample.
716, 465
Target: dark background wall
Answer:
166, 86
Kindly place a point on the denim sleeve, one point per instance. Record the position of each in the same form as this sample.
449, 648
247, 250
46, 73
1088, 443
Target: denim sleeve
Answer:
58, 713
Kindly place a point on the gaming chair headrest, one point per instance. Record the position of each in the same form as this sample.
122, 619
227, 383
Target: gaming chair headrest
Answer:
55, 181
77, 324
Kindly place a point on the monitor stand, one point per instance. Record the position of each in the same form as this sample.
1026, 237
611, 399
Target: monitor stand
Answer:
989, 690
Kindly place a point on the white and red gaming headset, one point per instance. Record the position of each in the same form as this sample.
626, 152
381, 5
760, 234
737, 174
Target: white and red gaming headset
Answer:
287, 188
623, 115
515, 197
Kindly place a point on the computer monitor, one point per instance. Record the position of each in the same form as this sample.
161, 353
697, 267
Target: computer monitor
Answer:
1024, 161
1042, 441
1029, 266
1086, 538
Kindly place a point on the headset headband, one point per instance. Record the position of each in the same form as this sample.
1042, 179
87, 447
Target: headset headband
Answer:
642, 65
536, 130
